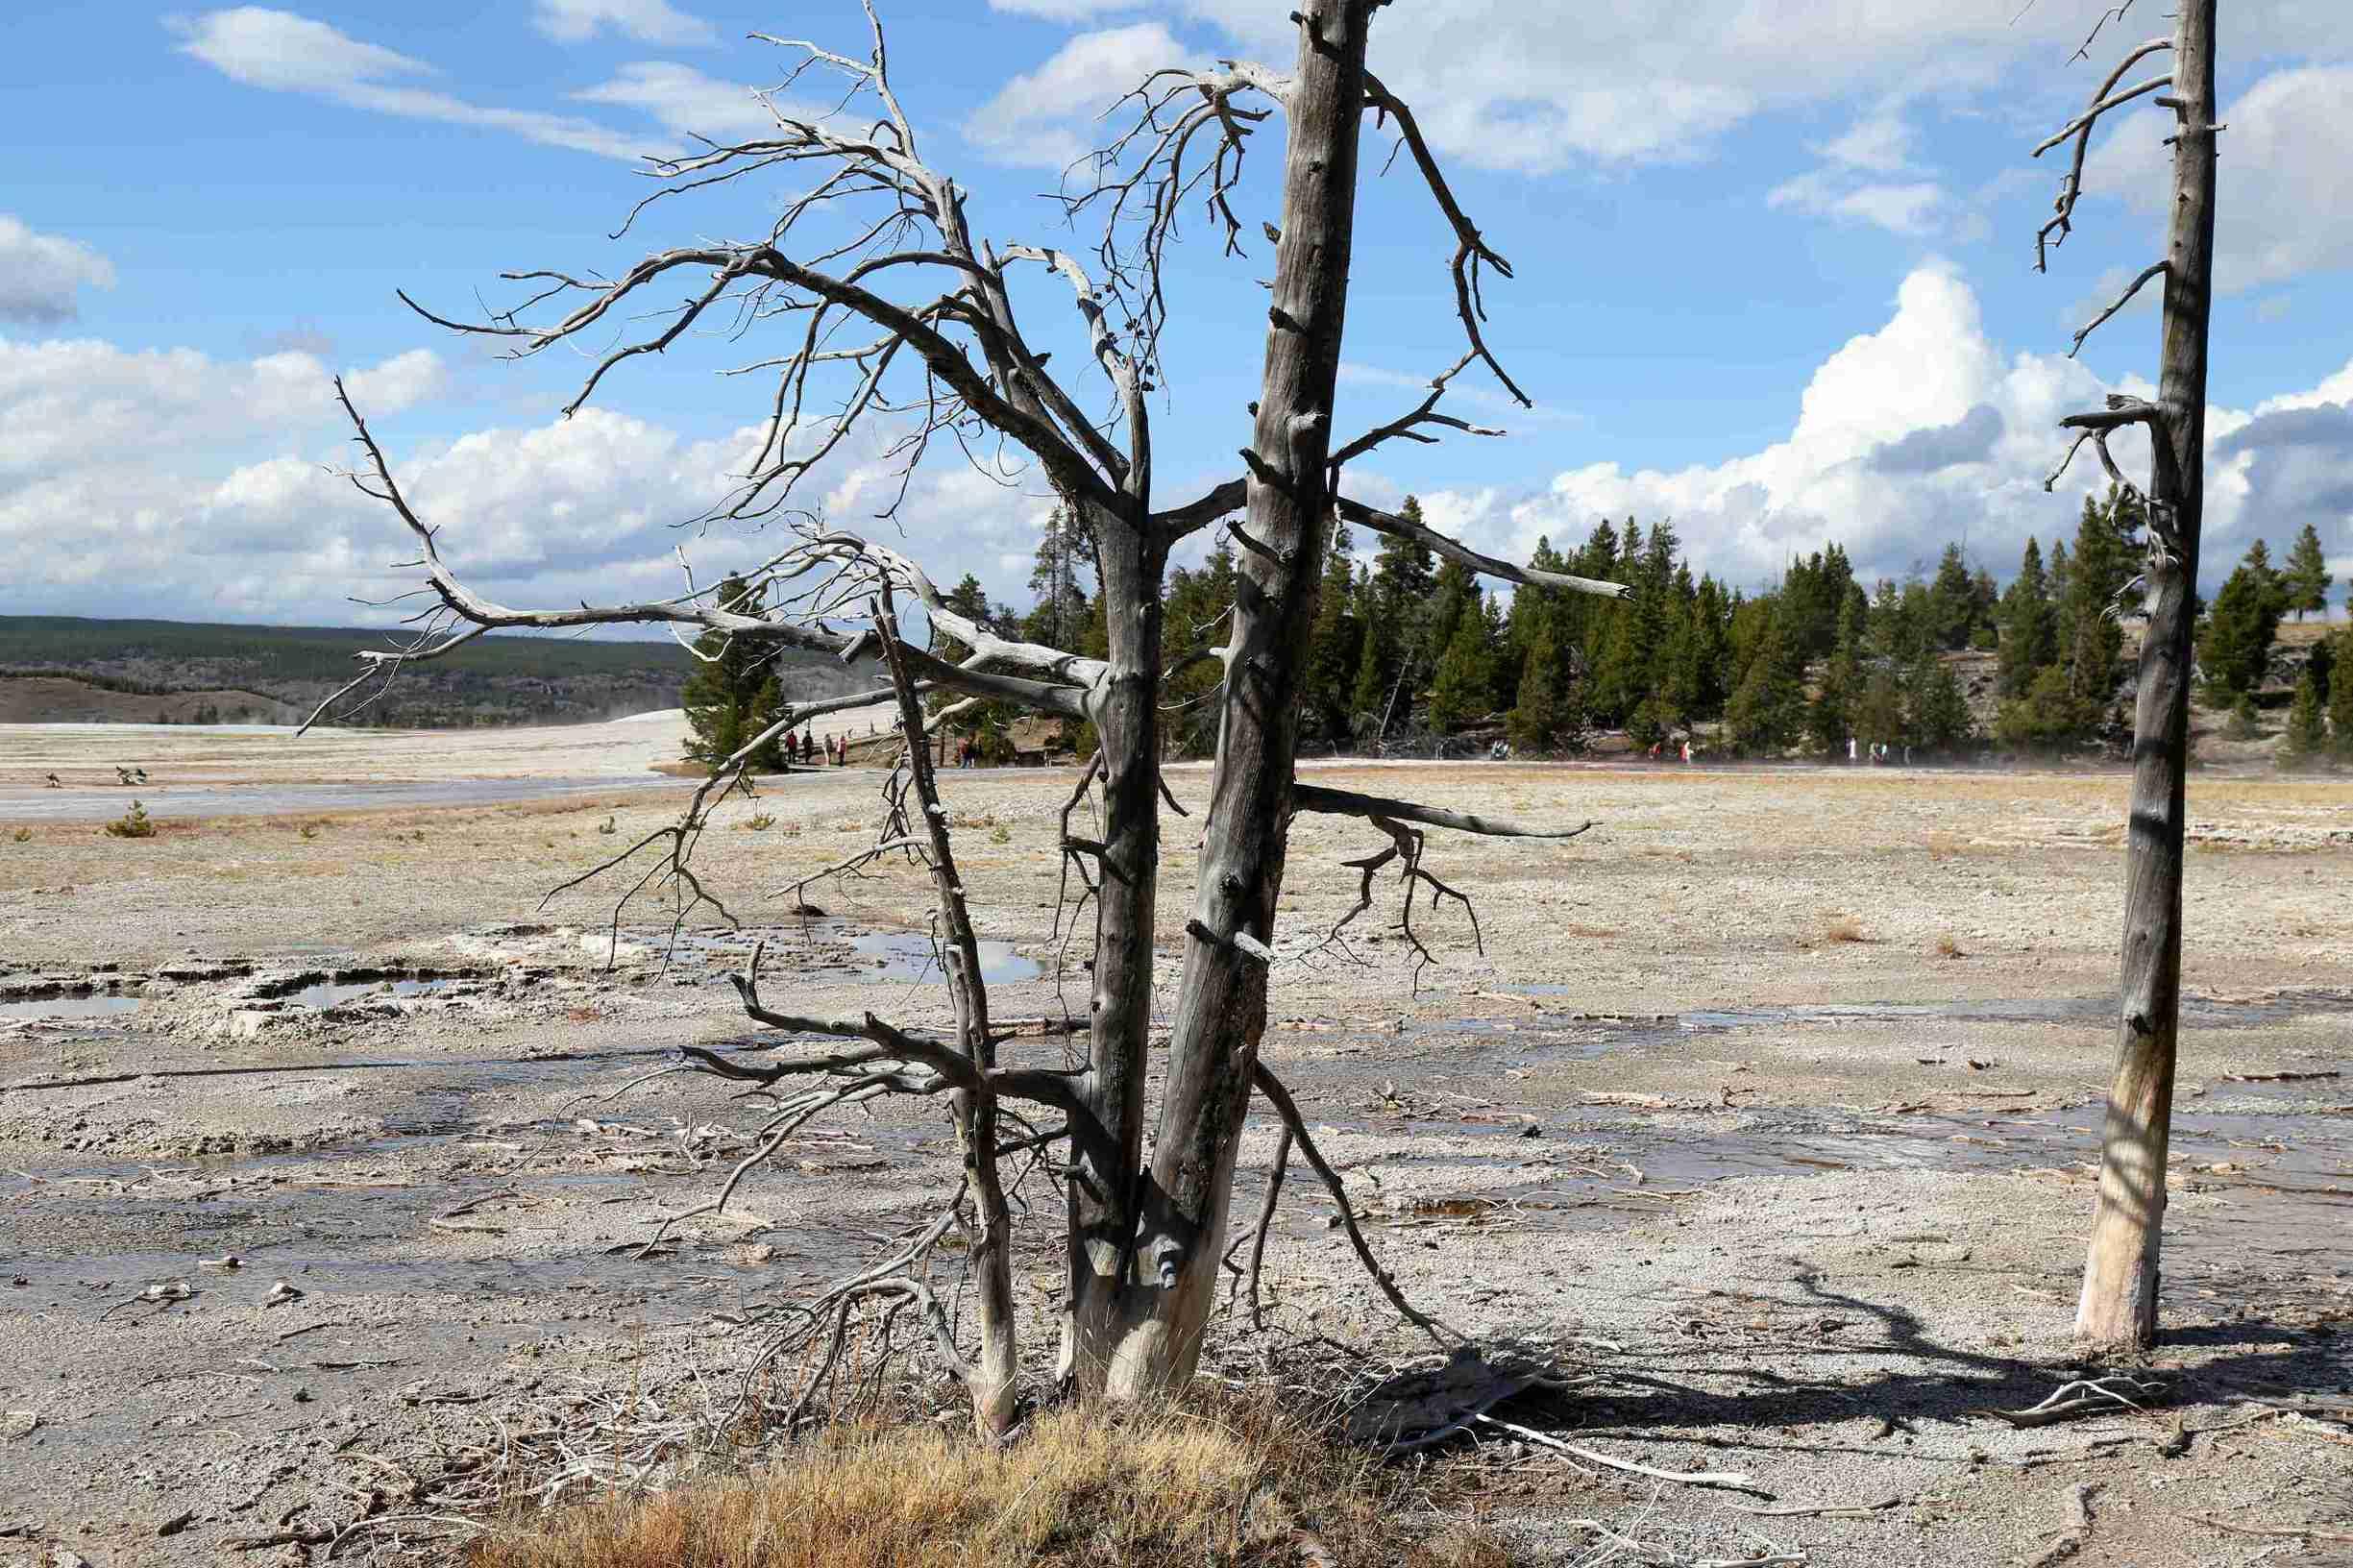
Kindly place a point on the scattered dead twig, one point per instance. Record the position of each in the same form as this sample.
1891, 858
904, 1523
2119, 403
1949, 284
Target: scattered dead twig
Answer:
2074, 1532
2314, 1532
1820, 1510
452, 1219
163, 1296
2089, 1396
1720, 1479
313, 1328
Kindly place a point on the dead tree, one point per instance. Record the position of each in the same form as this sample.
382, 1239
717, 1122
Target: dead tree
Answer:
2119, 1304
919, 329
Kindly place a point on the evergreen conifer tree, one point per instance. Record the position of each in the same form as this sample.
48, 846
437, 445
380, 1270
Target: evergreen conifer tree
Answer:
2234, 649
2028, 640
2307, 737
1938, 710
2341, 698
2306, 577
724, 697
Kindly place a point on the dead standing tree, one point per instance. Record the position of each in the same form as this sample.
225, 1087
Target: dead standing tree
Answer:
2118, 1303
904, 286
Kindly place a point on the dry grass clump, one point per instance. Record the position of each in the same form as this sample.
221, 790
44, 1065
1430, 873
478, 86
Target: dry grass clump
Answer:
1837, 928
1227, 1482
1948, 945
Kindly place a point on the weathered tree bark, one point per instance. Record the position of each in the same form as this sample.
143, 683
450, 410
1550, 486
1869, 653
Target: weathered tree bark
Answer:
1103, 1190
994, 1377
2118, 1303
1221, 1011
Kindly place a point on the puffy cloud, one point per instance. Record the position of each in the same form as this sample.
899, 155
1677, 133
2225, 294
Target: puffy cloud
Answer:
685, 101
1935, 448
111, 450
225, 470
1925, 431
647, 22
40, 274
287, 52
1914, 209
2287, 203
1504, 84
1880, 144
1061, 10
1045, 117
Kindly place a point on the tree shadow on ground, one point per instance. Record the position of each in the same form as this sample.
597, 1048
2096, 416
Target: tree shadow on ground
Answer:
1719, 1394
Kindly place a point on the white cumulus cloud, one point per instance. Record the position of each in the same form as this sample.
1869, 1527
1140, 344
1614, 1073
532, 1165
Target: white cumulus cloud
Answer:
2286, 203
684, 99
41, 275
1513, 84
284, 52
647, 22
1927, 430
226, 470
1045, 117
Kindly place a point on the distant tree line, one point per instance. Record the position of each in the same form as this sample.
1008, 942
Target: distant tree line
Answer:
1407, 650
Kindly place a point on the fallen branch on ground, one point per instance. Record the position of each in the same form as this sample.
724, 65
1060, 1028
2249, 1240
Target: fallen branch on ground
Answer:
2074, 1532
2315, 1532
1721, 1479
2089, 1396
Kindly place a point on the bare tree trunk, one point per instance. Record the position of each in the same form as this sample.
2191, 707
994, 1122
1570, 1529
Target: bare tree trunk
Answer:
995, 1380
1221, 1006
2119, 1304
1104, 1166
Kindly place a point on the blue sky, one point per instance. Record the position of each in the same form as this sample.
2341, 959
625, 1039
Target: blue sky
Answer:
1774, 277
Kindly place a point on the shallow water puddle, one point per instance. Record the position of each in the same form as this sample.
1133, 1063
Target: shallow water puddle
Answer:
832, 949
70, 1007
325, 993
909, 956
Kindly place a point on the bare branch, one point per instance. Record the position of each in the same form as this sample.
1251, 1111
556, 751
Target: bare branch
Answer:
1471, 252
1288, 1109
2122, 411
2122, 299
2082, 123
2071, 188
833, 551
1408, 426
1316, 798
2113, 13
1428, 538
1224, 501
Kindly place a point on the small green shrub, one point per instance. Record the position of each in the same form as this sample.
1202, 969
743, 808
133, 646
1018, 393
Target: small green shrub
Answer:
133, 823
761, 824
23, 835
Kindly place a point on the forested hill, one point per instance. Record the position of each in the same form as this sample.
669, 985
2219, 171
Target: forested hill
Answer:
195, 671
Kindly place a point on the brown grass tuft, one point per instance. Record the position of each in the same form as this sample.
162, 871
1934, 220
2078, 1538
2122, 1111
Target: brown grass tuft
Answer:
1844, 928
1948, 945
1228, 1482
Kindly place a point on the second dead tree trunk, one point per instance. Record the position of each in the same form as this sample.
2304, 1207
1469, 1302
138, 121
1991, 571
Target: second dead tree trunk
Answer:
1221, 1004
2119, 1302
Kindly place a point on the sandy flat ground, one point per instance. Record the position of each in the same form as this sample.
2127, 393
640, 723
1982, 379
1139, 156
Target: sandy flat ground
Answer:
1767, 1106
